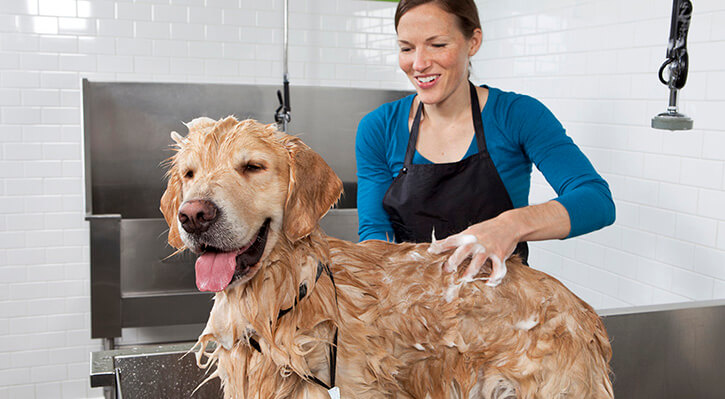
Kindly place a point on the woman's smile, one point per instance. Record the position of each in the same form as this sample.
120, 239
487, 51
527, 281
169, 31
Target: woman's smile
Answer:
427, 81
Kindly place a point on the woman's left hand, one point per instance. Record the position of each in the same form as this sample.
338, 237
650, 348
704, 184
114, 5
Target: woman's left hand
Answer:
493, 239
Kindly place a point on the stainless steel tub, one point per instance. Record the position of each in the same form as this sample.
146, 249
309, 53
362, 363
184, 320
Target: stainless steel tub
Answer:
664, 352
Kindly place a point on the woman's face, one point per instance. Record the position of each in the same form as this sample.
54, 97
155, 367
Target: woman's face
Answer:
434, 52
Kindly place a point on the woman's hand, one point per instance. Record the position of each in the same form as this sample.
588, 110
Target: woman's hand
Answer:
496, 238
493, 239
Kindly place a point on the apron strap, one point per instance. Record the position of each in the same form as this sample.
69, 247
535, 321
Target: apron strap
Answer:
477, 120
477, 127
413, 139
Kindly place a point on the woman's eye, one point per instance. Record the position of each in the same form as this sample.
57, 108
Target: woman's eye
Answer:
404, 49
439, 45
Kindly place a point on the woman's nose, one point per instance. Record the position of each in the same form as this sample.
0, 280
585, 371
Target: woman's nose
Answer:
421, 61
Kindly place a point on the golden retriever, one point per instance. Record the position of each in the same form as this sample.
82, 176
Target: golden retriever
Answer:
384, 321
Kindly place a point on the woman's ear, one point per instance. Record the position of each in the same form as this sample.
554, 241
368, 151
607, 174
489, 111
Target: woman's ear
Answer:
475, 42
313, 189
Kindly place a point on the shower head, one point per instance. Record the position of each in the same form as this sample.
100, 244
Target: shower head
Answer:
672, 119
677, 64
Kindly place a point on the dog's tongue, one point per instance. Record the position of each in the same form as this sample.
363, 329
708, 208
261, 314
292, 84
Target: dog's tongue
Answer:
214, 270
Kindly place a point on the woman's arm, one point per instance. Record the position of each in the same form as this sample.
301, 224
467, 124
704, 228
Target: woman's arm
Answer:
546, 221
584, 203
581, 190
373, 179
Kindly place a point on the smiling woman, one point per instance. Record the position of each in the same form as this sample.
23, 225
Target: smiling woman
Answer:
455, 159
434, 50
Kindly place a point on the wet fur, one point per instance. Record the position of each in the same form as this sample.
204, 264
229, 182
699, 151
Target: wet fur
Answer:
527, 338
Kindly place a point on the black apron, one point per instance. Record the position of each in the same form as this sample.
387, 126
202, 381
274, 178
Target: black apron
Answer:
447, 197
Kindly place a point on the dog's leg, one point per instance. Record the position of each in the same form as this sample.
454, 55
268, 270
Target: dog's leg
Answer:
504, 390
494, 387
308, 390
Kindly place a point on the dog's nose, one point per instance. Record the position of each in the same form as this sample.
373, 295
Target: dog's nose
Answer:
197, 216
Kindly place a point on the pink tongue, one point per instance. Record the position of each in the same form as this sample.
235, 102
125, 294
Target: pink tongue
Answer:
214, 270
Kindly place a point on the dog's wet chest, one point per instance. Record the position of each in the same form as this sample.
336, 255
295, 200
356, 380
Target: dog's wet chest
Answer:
226, 323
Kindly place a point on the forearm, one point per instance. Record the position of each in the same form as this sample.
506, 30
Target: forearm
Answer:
546, 221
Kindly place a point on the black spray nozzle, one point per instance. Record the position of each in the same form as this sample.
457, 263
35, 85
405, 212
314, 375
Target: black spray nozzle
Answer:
677, 65
282, 113
677, 58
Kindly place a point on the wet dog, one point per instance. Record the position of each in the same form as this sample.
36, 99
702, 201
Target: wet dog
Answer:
296, 311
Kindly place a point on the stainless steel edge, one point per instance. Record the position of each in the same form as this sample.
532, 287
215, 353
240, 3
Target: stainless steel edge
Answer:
660, 307
86, 148
105, 276
668, 351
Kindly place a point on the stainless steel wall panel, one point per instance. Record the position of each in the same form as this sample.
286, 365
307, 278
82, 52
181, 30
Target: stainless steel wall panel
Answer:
127, 126
149, 264
341, 223
166, 309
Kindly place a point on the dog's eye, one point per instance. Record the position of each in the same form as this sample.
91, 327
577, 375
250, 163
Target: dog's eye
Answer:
189, 174
253, 167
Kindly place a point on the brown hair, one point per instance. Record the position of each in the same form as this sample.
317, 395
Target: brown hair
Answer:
465, 11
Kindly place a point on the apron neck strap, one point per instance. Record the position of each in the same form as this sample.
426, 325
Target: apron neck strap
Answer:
477, 126
477, 120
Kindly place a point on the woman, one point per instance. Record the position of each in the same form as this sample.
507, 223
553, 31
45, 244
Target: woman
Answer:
455, 159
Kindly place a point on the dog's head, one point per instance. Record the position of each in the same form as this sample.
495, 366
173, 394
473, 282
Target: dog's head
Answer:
235, 189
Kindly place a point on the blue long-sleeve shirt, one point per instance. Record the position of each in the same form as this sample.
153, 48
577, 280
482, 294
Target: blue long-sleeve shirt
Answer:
519, 131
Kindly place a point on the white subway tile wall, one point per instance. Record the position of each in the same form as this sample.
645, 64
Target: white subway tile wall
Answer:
592, 62
46, 48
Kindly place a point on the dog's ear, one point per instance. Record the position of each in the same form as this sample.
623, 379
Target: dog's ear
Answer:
199, 123
171, 200
313, 189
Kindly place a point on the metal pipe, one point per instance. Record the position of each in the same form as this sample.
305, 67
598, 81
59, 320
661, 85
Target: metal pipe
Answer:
282, 114
286, 108
673, 101
286, 38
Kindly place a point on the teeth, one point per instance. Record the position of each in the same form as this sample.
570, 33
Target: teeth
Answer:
427, 79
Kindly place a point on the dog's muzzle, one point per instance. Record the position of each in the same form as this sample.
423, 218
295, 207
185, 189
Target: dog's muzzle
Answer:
216, 269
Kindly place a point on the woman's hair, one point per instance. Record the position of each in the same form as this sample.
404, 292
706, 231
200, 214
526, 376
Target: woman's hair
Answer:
465, 11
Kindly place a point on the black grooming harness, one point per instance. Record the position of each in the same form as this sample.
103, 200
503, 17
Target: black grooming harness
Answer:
333, 348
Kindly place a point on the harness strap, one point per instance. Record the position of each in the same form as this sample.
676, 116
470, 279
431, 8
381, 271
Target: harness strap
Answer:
333, 348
